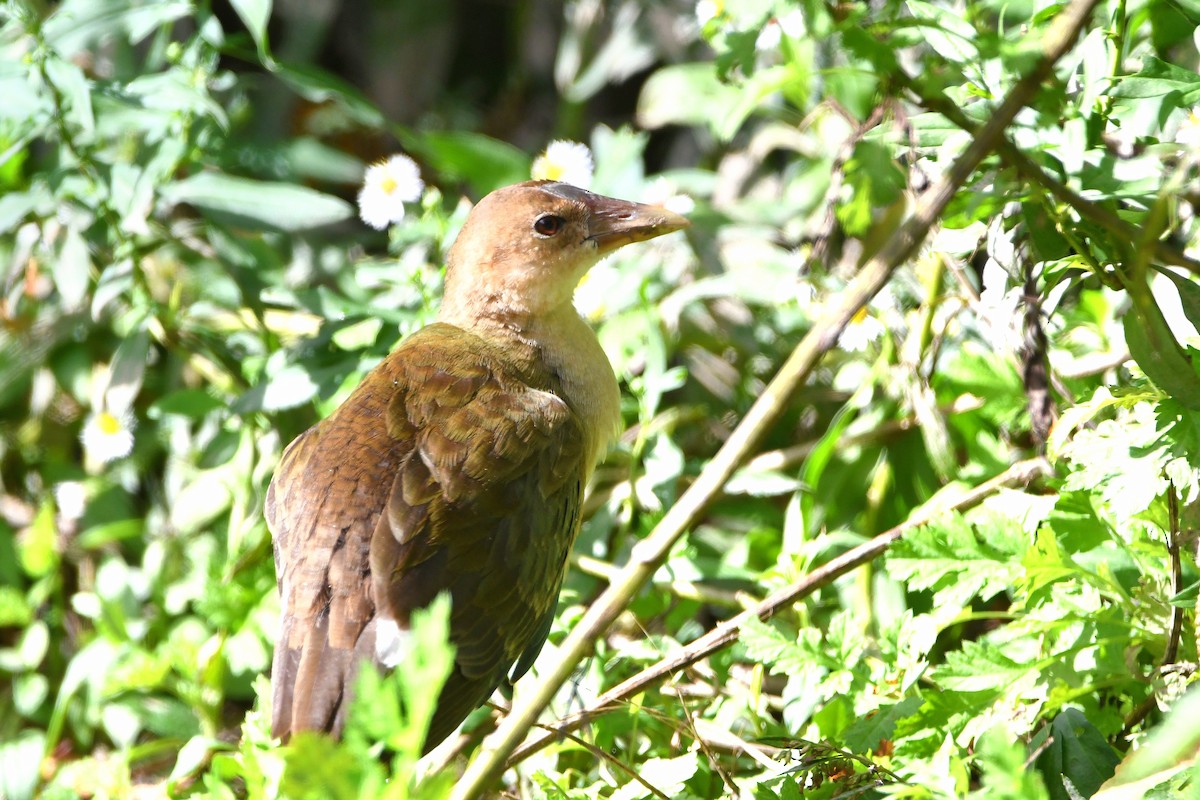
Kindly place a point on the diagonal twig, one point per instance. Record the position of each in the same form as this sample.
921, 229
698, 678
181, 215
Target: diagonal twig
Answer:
485, 769
728, 631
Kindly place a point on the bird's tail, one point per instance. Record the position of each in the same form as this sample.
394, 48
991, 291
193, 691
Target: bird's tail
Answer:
311, 682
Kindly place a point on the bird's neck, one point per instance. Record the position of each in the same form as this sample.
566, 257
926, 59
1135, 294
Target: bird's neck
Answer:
562, 343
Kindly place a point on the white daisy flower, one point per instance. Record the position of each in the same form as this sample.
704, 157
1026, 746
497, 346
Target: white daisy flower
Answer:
565, 161
107, 437
387, 186
861, 332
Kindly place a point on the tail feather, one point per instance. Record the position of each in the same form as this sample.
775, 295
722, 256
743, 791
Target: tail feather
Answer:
311, 683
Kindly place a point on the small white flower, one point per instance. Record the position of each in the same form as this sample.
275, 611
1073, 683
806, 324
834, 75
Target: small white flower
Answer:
387, 186
708, 10
70, 497
565, 161
861, 332
1000, 309
661, 192
769, 37
792, 23
106, 437
1188, 134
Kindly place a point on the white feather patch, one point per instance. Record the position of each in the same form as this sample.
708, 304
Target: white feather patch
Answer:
392, 644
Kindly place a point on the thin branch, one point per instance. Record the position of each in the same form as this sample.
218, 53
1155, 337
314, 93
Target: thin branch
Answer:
728, 631
488, 765
1171, 651
685, 590
790, 456
1029, 169
601, 755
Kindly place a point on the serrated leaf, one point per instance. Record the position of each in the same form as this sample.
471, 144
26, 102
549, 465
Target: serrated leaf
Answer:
866, 734
959, 561
980, 667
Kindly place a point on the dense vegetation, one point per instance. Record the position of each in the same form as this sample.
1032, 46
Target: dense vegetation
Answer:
967, 519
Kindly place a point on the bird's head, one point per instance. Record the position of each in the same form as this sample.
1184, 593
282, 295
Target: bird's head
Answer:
524, 248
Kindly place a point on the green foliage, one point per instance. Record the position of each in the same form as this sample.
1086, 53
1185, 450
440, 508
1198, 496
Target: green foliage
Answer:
184, 290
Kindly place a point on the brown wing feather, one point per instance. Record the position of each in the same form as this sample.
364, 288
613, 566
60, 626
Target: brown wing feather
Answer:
448, 469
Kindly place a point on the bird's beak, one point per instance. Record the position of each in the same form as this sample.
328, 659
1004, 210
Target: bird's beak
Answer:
615, 223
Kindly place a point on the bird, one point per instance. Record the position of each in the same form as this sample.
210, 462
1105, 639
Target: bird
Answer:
457, 466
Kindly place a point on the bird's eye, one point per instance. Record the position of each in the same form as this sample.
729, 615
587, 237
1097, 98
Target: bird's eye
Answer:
548, 225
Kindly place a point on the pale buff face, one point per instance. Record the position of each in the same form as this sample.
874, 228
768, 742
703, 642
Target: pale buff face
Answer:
524, 248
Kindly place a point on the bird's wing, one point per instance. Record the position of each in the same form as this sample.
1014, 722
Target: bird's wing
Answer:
486, 507
455, 471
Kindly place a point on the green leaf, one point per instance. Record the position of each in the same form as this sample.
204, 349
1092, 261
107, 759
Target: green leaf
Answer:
686, 94
480, 161
1189, 295
38, 548
72, 84
1166, 750
876, 182
960, 561
1004, 775
1157, 78
14, 207
15, 611
127, 371
192, 757
72, 270
320, 86
317, 768
289, 387
255, 14
980, 667
668, 775
20, 764
1155, 350
77, 24
191, 403
98, 536
258, 204
865, 735
1078, 759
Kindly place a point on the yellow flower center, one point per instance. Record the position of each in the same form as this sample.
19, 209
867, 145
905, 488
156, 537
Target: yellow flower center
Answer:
388, 184
860, 316
108, 424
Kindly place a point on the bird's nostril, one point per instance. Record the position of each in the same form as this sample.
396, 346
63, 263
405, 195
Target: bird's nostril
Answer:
625, 215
